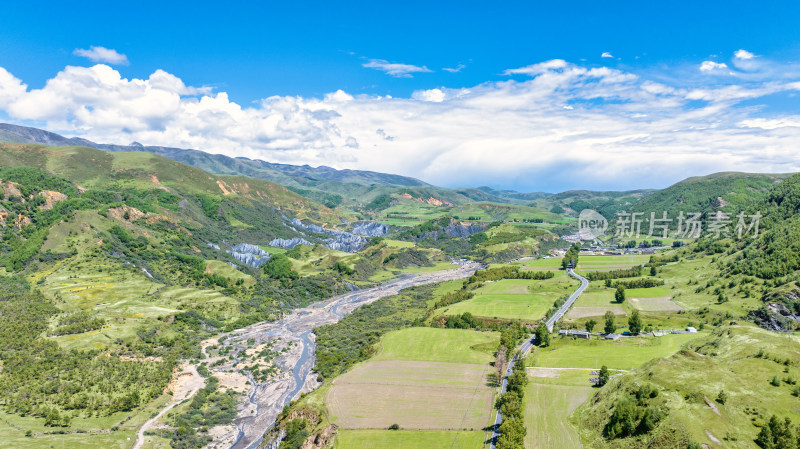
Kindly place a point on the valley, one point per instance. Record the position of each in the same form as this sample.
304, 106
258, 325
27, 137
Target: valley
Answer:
154, 304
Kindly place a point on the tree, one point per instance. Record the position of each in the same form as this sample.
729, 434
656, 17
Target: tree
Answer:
619, 295
653, 271
542, 336
500, 363
610, 326
603, 377
722, 397
635, 322
590, 325
280, 267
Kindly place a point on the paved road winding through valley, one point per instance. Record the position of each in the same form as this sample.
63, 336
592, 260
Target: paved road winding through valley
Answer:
526, 346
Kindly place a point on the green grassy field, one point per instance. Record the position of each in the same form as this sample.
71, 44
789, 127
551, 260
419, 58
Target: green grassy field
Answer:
623, 354
653, 292
409, 439
549, 262
549, 403
520, 299
530, 307
439, 345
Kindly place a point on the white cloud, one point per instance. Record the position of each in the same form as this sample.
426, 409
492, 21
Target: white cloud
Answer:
395, 69
606, 55
710, 66
455, 69
563, 126
743, 54
102, 54
539, 68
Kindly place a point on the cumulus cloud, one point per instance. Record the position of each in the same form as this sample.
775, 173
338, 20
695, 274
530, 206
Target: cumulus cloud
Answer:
743, 54
102, 54
710, 66
555, 125
395, 69
606, 54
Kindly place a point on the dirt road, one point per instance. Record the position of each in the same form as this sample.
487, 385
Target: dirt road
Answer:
185, 384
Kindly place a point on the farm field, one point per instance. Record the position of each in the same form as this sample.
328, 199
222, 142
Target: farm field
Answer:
415, 395
409, 439
626, 353
548, 404
438, 345
529, 307
513, 299
656, 304
608, 263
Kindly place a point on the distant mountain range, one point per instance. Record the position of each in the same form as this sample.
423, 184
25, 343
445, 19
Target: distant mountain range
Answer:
369, 190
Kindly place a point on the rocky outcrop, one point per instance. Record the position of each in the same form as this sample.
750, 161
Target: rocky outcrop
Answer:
50, 198
775, 317
371, 229
289, 243
339, 241
249, 254
321, 439
781, 309
247, 248
463, 230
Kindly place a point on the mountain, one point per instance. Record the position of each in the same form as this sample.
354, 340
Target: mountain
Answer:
326, 185
726, 191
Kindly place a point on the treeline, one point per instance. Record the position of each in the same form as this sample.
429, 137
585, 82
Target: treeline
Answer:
508, 272
657, 261
636, 283
614, 274
511, 404
571, 256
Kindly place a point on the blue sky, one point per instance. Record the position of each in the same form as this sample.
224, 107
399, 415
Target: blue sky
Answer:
300, 53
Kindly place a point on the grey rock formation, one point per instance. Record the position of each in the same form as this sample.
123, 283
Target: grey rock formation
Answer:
249, 249
458, 229
339, 241
371, 229
249, 254
290, 243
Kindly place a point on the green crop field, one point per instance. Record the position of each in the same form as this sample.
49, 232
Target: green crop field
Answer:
409, 439
440, 345
626, 353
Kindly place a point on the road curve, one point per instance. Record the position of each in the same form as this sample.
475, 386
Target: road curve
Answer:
528, 343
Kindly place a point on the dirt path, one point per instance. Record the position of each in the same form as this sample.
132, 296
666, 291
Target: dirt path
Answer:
184, 385
293, 337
